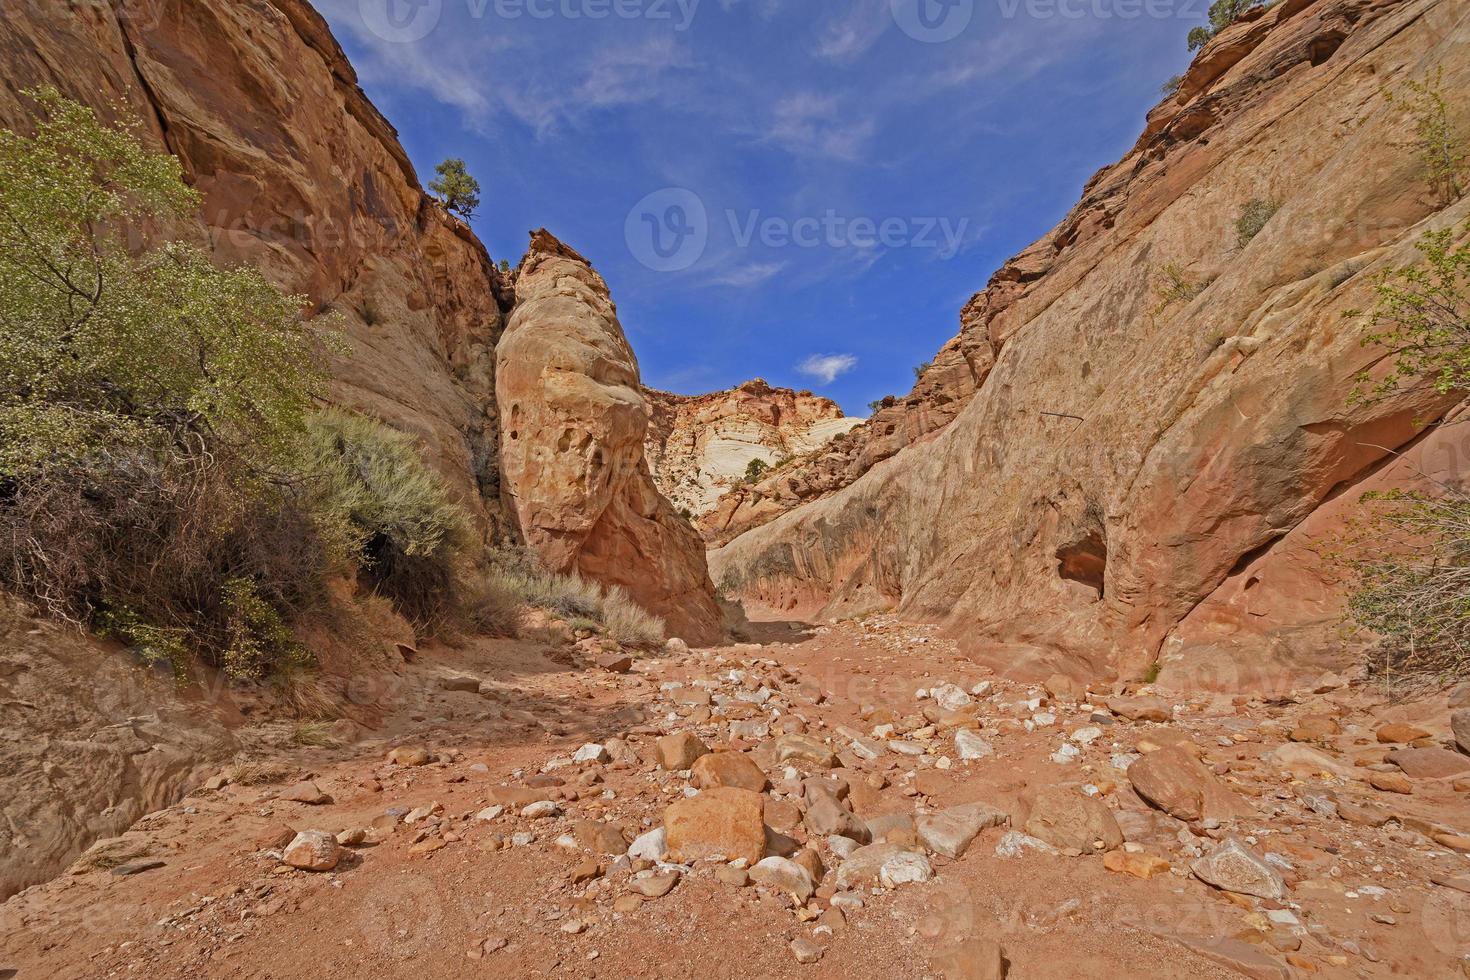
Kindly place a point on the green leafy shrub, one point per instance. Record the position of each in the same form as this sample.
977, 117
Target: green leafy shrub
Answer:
403, 529
755, 469
1173, 286
1422, 317
1170, 88
922, 369
150, 409
1254, 215
1222, 14
1441, 148
1411, 552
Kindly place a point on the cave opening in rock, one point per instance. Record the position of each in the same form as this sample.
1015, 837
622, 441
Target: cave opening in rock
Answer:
1084, 560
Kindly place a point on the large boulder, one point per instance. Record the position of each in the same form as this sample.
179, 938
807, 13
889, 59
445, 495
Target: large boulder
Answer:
572, 420
724, 821
1175, 782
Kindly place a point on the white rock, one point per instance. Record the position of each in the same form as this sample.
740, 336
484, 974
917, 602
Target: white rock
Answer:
842, 846
906, 868
971, 746
591, 752
676, 646
1013, 843
540, 810
951, 697
1067, 753
490, 813
652, 846
981, 690
1087, 736
1043, 719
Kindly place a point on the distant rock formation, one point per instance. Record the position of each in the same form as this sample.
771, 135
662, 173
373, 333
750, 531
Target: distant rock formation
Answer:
1161, 435
700, 446
573, 422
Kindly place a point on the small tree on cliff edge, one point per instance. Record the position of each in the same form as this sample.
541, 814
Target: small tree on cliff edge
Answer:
456, 188
1223, 13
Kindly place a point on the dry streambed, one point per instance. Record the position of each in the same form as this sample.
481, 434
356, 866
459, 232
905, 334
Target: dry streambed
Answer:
858, 803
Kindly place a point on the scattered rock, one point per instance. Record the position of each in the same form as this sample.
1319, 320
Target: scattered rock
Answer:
1175, 782
1460, 726
1430, 763
592, 752
655, 886
136, 868
729, 769
1399, 732
460, 682
410, 755
805, 951
652, 846
971, 746
313, 850
307, 793
1232, 867
804, 748
541, 810
1067, 819
949, 832
615, 663
784, 875
678, 751
883, 863
1391, 782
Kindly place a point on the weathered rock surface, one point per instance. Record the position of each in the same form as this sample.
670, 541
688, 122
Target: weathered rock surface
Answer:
1206, 442
1175, 782
1233, 867
1065, 818
699, 446
574, 420
723, 821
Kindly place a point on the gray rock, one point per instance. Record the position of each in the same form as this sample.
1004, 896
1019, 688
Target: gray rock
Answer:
949, 832
1232, 867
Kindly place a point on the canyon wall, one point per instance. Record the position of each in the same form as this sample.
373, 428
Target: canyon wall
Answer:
574, 421
1162, 435
302, 178
895, 424
699, 446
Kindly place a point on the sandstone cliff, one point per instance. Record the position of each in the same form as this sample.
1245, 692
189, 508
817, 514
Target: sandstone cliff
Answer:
574, 422
304, 179
895, 424
699, 446
1204, 440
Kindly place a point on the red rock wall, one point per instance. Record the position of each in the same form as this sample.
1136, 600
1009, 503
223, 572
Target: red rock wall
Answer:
1210, 431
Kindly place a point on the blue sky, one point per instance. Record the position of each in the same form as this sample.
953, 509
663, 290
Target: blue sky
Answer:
828, 181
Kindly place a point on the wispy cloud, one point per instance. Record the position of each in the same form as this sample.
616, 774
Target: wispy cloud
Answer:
827, 368
851, 34
807, 124
748, 275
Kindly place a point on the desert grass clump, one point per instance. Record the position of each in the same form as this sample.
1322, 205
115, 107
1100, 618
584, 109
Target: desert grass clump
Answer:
261, 772
490, 604
1254, 216
629, 624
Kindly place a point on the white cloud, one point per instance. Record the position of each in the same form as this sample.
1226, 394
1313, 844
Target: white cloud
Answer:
855, 31
748, 275
826, 368
804, 124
